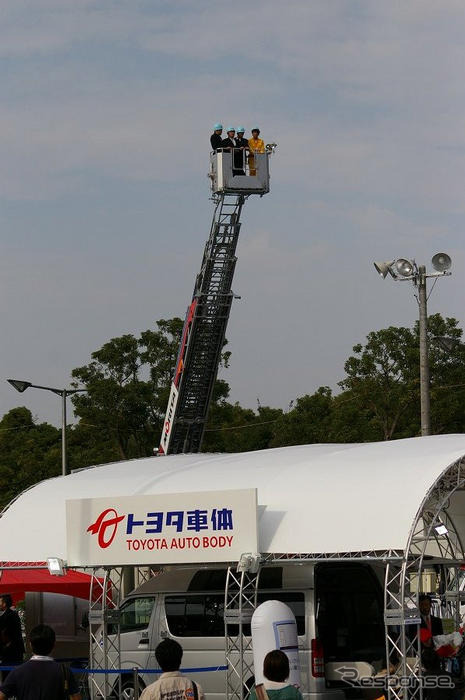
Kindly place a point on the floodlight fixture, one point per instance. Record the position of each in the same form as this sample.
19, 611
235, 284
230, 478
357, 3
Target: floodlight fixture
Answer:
441, 262
19, 385
56, 566
382, 268
441, 529
404, 267
249, 562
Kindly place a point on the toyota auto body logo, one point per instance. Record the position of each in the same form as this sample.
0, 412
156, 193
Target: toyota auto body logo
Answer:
105, 527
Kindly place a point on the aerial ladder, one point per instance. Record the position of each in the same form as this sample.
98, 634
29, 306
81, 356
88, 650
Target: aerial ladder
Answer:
207, 316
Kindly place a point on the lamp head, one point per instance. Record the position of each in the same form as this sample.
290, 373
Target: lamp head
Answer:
56, 566
382, 268
441, 262
19, 385
403, 268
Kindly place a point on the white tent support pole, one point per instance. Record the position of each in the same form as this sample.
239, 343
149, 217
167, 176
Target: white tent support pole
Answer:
239, 604
105, 652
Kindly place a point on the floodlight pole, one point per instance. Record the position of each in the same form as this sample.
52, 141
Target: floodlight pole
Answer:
425, 404
403, 269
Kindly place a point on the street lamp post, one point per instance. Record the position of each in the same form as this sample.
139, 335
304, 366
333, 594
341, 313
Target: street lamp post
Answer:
21, 386
402, 270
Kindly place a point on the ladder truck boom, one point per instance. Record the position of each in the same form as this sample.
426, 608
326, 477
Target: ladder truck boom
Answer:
207, 316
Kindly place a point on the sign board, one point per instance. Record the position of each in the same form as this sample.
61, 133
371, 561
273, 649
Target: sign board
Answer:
208, 526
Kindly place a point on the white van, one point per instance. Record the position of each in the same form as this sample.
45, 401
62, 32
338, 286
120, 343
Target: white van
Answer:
338, 609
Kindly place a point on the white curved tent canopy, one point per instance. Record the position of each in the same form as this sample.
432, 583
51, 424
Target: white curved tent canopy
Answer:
313, 498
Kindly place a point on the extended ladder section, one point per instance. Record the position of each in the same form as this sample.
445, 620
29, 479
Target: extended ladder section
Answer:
207, 317
203, 333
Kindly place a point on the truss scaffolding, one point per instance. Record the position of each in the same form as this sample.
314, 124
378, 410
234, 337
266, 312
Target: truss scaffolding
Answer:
433, 543
105, 648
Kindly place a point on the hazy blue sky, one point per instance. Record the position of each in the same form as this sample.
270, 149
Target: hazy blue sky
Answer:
105, 117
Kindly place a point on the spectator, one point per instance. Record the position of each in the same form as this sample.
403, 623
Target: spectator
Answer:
40, 678
276, 686
171, 685
8, 652
10, 631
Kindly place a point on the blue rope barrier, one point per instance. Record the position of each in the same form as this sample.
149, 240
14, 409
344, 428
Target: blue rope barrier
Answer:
200, 669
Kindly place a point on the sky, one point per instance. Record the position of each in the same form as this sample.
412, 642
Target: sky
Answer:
106, 111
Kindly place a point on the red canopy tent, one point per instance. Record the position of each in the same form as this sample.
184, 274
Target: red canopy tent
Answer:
20, 580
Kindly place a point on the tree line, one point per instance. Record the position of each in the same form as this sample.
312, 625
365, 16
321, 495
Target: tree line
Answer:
128, 382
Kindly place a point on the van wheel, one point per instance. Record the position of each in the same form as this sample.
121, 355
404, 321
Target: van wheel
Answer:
127, 690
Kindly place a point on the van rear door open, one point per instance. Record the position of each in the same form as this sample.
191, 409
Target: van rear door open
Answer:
350, 617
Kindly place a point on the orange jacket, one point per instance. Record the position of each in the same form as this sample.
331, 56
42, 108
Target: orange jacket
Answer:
256, 145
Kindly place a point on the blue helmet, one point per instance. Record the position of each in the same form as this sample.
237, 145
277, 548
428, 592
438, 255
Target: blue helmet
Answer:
217, 127
231, 128
240, 130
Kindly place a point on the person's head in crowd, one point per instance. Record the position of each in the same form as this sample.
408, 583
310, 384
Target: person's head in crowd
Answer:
231, 131
240, 132
6, 601
169, 655
424, 604
276, 666
42, 640
218, 128
255, 132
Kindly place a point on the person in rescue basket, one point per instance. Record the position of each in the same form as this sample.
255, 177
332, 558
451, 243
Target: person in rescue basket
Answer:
256, 145
171, 685
229, 144
276, 686
215, 138
240, 151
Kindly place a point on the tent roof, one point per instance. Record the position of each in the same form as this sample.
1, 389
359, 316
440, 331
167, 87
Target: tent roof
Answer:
316, 498
21, 580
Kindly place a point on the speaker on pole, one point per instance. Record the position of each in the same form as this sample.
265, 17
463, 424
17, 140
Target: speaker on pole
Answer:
441, 262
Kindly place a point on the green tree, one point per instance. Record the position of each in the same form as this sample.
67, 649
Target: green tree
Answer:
29, 453
231, 428
381, 393
383, 379
128, 384
447, 369
307, 422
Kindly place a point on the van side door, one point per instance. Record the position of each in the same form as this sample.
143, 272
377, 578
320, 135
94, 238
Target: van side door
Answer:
196, 621
136, 614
